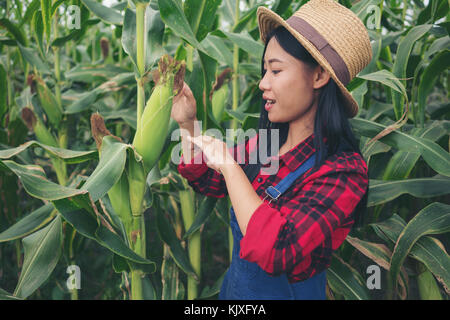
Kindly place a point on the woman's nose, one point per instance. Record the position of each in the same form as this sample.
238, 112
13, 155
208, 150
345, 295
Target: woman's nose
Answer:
264, 84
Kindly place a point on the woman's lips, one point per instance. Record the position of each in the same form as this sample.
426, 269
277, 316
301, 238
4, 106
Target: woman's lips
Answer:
268, 106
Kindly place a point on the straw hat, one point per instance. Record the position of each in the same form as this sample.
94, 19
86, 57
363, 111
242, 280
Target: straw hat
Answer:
334, 36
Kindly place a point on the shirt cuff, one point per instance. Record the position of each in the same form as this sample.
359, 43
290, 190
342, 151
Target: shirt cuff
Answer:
194, 170
261, 235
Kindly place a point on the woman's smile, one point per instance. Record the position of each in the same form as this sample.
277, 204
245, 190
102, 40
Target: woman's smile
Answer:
269, 105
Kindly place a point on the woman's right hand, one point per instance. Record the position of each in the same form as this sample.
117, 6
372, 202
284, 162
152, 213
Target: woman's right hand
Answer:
184, 109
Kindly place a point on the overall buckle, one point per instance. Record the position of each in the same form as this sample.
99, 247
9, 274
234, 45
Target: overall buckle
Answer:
273, 193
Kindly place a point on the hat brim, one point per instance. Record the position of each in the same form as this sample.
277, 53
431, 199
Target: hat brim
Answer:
269, 20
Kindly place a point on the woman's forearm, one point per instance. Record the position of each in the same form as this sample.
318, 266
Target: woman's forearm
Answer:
243, 197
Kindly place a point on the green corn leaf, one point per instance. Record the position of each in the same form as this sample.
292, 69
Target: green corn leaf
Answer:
5, 295
84, 102
401, 60
440, 63
228, 10
167, 234
206, 208
402, 162
433, 154
38, 31
32, 8
35, 183
3, 93
390, 229
109, 169
210, 291
108, 15
216, 48
61, 41
384, 191
381, 255
87, 73
129, 35
68, 156
432, 254
344, 280
377, 252
433, 219
245, 19
173, 288
244, 41
173, 16
387, 78
200, 15
46, 6
30, 56
86, 224
14, 30
30, 223
55, 6
42, 252
155, 33
428, 288
155, 37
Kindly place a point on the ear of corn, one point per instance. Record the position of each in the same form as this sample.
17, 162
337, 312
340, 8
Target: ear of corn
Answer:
219, 99
119, 194
48, 102
219, 94
35, 124
120, 201
44, 136
137, 183
153, 127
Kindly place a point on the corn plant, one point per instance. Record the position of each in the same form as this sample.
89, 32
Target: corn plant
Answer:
86, 176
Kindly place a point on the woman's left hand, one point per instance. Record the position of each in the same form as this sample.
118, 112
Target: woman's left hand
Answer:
215, 150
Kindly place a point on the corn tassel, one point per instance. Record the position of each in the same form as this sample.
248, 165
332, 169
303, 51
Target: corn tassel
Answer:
153, 127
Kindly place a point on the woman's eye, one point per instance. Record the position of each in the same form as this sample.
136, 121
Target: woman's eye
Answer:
276, 71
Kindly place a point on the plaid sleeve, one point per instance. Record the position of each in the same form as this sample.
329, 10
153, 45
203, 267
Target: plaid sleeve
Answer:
319, 216
208, 181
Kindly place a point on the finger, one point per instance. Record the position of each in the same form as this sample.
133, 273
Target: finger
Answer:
188, 91
196, 141
201, 139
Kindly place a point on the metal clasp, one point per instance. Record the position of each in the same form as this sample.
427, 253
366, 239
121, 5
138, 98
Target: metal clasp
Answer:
273, 193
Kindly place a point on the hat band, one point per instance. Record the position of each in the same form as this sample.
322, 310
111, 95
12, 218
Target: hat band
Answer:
333, 58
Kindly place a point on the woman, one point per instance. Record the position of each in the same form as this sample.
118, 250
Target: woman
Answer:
286, 225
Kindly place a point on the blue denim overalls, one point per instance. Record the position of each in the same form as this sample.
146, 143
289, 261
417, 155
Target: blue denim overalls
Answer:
247, 281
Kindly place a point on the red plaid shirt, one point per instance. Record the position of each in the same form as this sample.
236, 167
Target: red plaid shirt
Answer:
297, 233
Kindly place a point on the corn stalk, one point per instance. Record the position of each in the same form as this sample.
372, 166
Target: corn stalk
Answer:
194, 242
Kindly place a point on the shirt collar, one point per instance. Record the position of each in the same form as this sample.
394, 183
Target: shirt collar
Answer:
295, 157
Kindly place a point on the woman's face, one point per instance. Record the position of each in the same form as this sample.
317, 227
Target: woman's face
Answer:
290, 84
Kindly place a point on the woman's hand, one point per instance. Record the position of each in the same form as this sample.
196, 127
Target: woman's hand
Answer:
184, 108
216, 152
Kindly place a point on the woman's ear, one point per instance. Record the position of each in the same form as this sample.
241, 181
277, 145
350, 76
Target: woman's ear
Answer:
321, 77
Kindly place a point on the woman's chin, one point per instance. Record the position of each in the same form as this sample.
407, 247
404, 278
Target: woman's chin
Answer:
273, 118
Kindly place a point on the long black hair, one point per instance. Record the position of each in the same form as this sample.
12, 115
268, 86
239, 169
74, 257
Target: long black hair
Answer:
331, 119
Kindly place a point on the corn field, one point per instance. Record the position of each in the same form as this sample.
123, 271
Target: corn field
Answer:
93, 207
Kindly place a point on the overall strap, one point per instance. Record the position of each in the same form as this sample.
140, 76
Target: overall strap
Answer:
286, 182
